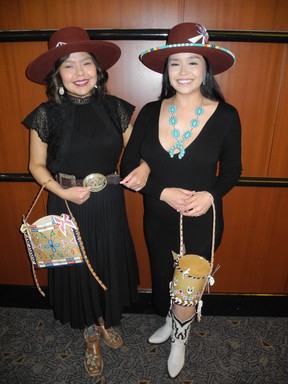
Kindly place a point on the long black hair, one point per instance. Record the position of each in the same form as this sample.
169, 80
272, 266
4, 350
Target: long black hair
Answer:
209, 89
54, 81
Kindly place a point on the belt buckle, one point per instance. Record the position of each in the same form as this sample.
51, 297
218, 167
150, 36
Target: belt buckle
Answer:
67, 181
96, 181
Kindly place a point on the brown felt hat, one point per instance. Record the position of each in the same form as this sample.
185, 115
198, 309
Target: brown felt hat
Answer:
69, 40
188, 37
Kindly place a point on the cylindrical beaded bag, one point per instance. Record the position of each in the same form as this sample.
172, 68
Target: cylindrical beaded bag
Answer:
192, 273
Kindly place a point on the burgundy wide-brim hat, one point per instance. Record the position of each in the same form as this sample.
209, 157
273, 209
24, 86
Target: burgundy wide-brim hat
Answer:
69, 40
188, 37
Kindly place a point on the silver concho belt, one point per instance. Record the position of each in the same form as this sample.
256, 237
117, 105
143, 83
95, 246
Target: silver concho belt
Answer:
96, 181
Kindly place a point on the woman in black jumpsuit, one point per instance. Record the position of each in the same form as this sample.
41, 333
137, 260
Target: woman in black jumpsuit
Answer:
191, 141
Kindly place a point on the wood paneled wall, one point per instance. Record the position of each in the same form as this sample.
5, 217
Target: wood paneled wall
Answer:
253, 255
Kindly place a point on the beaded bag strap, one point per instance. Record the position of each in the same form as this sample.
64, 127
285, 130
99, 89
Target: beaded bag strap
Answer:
212, 241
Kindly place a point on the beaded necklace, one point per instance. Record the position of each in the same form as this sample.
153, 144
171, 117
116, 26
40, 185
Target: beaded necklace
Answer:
80, 100
175, 132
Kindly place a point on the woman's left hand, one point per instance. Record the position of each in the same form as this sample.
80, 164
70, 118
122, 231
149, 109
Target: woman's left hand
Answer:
137, 179
197, 204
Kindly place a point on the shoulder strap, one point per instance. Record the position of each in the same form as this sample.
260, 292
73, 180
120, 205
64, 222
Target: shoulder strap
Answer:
212, 241
36, 199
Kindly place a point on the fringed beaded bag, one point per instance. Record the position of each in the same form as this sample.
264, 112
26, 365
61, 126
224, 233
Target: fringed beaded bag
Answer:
54, 241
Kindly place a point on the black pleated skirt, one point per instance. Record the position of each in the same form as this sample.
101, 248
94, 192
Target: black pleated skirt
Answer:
75, 295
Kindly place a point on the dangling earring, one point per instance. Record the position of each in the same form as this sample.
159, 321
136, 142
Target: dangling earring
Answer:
61, 91
204, 80
95, 90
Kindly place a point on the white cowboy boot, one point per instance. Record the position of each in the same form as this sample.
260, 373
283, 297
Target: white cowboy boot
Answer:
163, 333
179, 338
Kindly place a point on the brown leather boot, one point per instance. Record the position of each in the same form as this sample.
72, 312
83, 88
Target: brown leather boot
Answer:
110, 336
93, 358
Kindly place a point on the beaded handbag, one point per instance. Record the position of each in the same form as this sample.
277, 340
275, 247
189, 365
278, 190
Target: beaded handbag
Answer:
192, 274
54, 241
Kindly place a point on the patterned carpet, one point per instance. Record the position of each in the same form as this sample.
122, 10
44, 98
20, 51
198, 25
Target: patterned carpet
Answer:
36, 349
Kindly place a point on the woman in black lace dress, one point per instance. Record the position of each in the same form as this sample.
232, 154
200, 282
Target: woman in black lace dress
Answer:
81, 130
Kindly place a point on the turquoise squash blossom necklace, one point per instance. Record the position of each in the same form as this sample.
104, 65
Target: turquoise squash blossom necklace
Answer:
175, 132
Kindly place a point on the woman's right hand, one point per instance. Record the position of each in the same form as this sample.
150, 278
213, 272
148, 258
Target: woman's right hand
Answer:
176, 197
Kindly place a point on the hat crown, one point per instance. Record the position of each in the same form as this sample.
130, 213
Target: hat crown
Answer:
67, 36
188, 33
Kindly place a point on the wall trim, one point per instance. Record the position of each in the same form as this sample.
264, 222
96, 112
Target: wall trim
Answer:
215, 304
251, 36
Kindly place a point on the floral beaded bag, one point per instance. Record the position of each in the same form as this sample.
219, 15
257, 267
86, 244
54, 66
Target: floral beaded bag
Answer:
54, 241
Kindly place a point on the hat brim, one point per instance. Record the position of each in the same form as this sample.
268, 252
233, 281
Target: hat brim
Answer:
106, 53
220, 59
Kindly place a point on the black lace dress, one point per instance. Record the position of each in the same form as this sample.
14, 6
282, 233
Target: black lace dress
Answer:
76, 297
